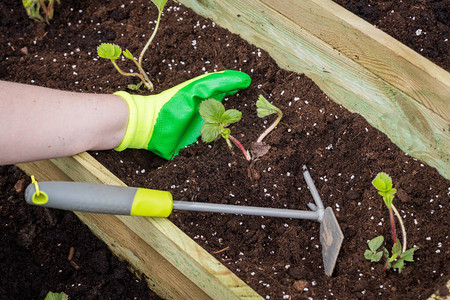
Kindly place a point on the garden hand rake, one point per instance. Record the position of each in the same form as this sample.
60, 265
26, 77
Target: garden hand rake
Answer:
99, 198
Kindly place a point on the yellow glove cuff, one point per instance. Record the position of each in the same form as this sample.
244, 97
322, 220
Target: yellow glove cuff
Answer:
143, 112
132, 121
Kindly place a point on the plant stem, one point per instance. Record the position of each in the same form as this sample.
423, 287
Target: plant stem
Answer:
44, 8
150, 39
147, 81
237, 143
271, 127
401, 226
129, 74
50, 9
386, 265
394, 235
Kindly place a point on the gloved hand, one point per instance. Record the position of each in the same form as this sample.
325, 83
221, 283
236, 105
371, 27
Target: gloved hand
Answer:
169, 121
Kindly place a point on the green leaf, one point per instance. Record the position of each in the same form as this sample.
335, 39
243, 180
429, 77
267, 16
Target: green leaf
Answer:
211, 110
265, 108
399, 264
391, 192
375, 243
210, 131
397, 248
27, 3
135, 87
109, 51
225, 133
128, 54
160, 4
377, 256
368, 254
230, 116
382, 182
393, 257
408, 255
56, 296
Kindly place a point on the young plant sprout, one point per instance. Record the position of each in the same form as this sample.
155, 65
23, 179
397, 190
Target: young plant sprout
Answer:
112, 52
375, 252
33, 8
394, 261
216, 121
265, 108
383, 183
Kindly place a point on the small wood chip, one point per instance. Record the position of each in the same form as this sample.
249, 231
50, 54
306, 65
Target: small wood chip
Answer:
222, 250
74, 265
19, 186
71, 253
259, 149
300, 285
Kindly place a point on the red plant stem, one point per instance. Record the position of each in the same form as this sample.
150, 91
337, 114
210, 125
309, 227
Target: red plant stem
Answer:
394, 235
237, 143
44, 7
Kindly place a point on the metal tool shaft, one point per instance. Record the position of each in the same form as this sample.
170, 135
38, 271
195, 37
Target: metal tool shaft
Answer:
246, 210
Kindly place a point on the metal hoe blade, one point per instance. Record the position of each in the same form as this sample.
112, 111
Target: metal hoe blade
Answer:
331, 235
331, 238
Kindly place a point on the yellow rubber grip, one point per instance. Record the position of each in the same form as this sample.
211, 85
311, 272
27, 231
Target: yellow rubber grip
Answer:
152, 203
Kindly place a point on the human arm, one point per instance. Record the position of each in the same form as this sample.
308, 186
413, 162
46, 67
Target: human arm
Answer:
40, 123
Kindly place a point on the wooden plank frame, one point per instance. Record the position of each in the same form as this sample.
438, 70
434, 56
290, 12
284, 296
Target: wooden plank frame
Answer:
398, 91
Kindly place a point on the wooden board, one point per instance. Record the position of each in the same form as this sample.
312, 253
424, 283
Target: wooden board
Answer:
175, 267
358, 66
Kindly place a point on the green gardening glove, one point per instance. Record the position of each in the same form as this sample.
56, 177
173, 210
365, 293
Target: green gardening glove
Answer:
169, 121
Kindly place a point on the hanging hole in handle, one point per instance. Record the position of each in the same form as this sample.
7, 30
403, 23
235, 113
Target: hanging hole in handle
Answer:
40, 199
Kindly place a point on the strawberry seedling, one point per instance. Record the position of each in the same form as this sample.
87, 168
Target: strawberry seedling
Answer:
216, 121
265, 108
112, 52
33, 8
383, 183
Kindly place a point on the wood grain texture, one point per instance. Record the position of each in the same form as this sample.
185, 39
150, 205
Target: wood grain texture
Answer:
175, 267
358, 66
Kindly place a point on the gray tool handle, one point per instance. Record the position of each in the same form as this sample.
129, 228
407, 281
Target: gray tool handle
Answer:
88, 197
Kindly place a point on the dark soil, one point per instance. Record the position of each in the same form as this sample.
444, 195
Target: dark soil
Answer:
279, 258
422, 25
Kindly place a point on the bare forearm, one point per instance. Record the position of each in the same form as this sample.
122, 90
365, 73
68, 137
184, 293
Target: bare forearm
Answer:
40, 123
